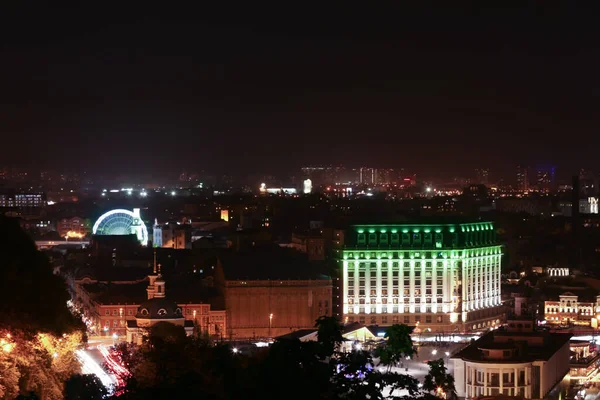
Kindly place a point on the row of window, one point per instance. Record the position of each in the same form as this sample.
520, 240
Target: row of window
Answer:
408, 239
396, 300
396, 319
130, 311
403, 308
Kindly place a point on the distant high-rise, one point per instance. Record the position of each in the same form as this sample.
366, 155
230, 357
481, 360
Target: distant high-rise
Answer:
522, 177
545, 177
368, 176
482, 176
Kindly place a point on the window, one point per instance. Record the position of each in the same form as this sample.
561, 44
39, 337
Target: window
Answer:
395, 319
384, 319
395, 239
439, 319
383, 239
129, 312
438, 240
428, 319
115, 323
407, 319
372, 239
405, 239
384, 292
416, 239
361, 238
350, 292
428, 238
114, 312
361, 320
178, 311
107, 312
417, 318
162, 311
373, 319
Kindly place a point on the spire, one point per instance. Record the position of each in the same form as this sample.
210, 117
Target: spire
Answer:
154, 261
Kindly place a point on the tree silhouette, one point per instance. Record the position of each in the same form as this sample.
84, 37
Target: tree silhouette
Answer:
438, 380
84, 387
398, 345
329, 335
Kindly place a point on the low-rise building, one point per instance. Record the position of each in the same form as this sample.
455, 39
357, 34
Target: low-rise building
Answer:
271, 292
172, 235
108, 304
514, 361
354, 335
570, 310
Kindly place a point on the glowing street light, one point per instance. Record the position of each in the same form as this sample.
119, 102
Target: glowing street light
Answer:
434, 352
235, 350
358, 346
447, 354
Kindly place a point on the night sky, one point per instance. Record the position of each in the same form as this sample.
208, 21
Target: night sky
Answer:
438, 91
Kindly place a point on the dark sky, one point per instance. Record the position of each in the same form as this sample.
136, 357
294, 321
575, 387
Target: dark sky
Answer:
440, 91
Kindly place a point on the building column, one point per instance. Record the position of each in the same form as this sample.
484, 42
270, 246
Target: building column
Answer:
390, 288
345, 287
356, 288
378, 297
423, 306
516, 382
412, 286
485, 382
501, 380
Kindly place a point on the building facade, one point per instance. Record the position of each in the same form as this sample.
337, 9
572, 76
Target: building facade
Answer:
570, 310
441, 277
517, 362
267, 309
72, 227
172, 236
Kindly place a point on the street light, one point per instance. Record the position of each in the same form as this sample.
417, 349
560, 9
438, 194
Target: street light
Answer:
434, 352
235, 350
270, 323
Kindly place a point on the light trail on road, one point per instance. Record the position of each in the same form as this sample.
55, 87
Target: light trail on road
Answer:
89, 366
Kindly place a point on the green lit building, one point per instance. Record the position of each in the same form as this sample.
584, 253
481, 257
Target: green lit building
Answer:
438, 277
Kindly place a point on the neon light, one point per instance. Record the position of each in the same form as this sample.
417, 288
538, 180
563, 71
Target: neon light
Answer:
383, 231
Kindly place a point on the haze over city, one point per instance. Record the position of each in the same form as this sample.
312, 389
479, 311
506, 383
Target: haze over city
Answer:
246, 88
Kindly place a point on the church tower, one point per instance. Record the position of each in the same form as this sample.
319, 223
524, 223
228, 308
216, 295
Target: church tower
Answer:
151, 290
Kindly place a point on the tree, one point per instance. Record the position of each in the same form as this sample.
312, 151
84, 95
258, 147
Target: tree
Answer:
329, 335
397, 346
84, 387
33, 298
438, 381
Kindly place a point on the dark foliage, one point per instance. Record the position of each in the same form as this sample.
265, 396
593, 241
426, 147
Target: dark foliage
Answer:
33, 298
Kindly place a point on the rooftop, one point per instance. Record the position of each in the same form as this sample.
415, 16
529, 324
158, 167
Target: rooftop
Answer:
540, 346
271, 263
183, 292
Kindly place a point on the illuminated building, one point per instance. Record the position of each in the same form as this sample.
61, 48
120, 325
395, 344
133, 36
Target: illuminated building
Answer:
72, 227
545, 177
307, 186
110, 298
270, 292
155, 310
368, 176
517, 362
440, 277
22, 202
122, 222
172, 235
570, 310
522, 177
482, 176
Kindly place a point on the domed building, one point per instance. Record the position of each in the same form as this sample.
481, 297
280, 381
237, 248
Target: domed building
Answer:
156, 309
